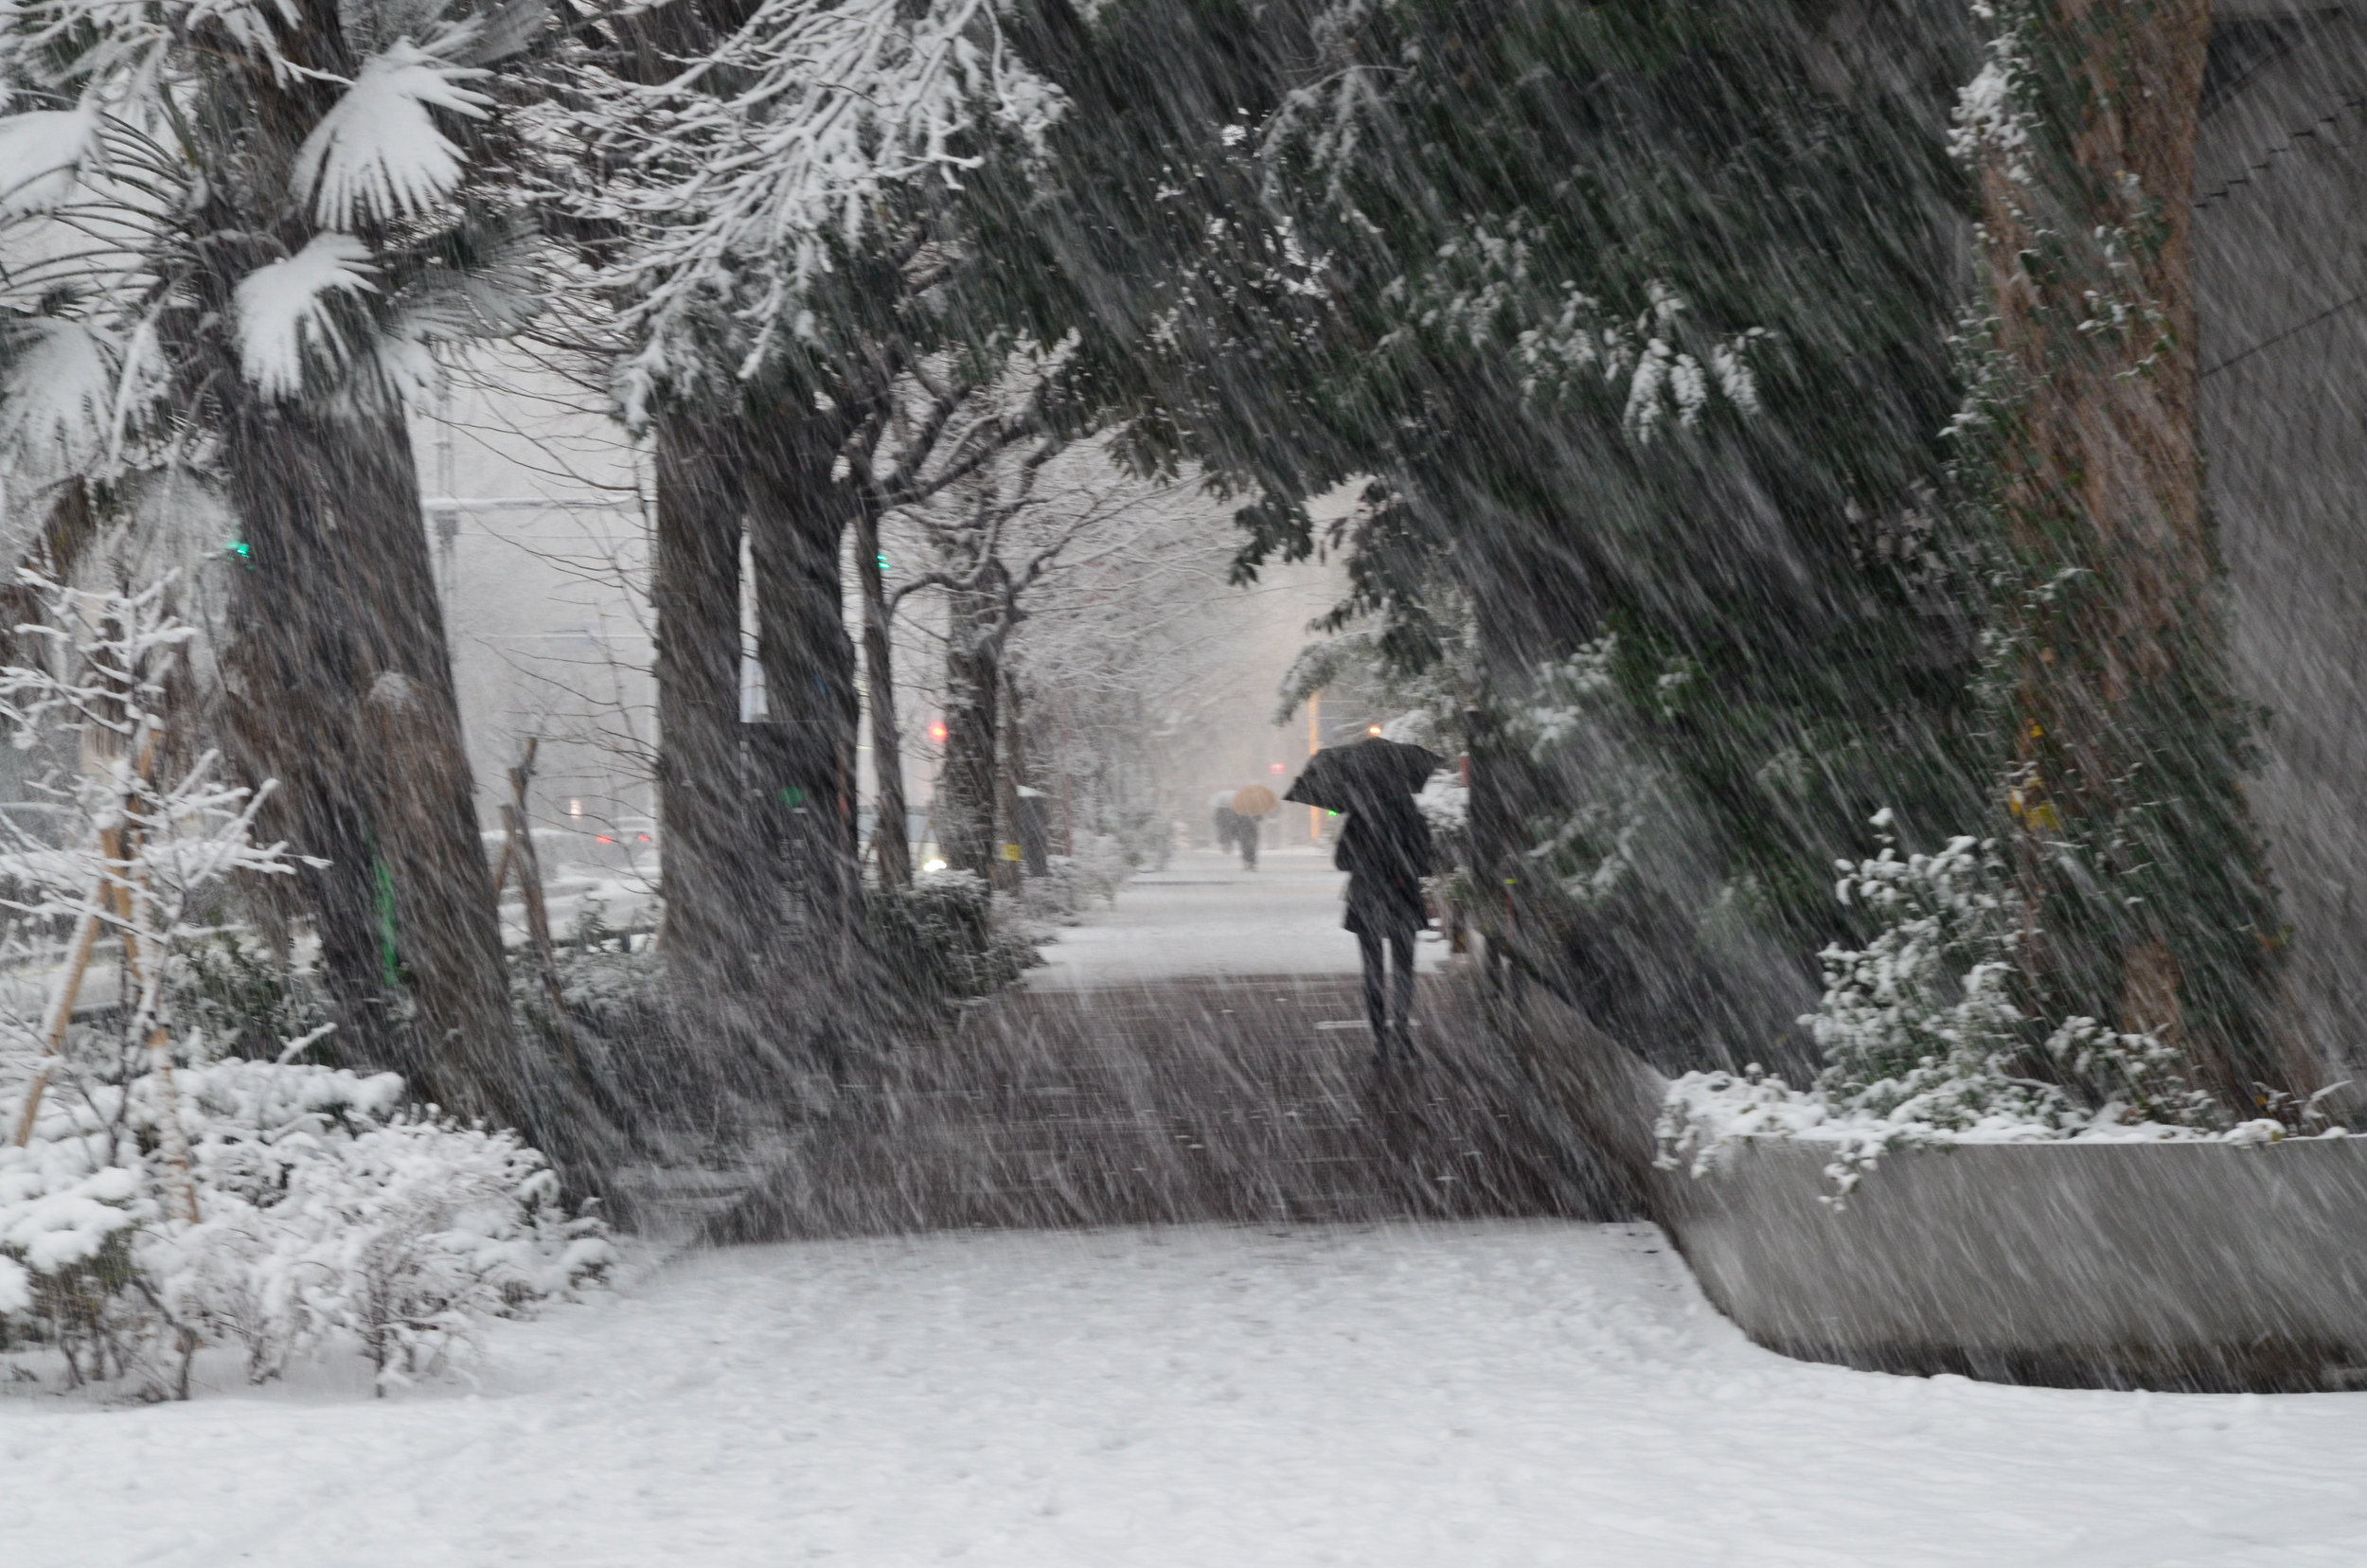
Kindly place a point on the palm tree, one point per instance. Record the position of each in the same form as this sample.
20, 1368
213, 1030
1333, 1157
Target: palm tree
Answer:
234, 238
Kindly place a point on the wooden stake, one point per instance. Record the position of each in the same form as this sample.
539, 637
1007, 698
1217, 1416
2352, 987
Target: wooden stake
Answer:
180, 1187
518, 849
62, 1000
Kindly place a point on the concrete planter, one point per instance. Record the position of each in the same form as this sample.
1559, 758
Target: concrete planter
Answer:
2180, 1266
2174, 1266
2195, 1266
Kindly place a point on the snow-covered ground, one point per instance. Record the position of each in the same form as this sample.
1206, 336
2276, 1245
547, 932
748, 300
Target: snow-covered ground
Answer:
1205, 915
1463, 1397
1502, 1394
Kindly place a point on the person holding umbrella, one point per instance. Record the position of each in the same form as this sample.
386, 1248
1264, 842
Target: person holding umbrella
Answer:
1226, 822
1385, 848
1249, 805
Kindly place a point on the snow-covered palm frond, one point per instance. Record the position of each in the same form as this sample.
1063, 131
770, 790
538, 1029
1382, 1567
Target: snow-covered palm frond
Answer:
57, 399
484, 285
377, 155
283, 309
745, 170
42, 156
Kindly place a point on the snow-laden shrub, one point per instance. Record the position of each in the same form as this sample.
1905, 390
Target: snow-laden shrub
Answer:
400, 1238
1923, 1041
943, 939
1100, 865
60, 1223
327, 1216
1072, 884
1918, 1026
156, 1192
245, 997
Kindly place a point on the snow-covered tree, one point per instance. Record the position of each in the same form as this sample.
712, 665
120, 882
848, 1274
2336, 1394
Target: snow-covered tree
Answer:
777, 204
144, 845
1591, 289
1057, 574
758, 171
238, 232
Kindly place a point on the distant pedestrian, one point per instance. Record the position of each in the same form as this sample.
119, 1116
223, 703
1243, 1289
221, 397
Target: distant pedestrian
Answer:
1237, 814
1234, 830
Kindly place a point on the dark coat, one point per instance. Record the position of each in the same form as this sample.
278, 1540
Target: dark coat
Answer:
1386, 851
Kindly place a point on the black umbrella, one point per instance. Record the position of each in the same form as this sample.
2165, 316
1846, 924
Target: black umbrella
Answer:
1342, 779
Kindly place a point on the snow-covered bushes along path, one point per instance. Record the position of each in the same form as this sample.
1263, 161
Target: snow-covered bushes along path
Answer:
1924, 1044
1505, 1393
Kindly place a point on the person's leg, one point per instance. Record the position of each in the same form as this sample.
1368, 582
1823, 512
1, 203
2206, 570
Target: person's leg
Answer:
1249, 844
1376, 1001
1401, 980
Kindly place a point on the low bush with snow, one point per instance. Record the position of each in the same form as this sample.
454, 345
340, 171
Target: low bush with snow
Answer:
1924, 1044
947, 937
328, 1217
1072, 884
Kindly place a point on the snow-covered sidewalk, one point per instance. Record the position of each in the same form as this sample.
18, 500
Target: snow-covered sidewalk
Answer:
1205, 915
1497, 1393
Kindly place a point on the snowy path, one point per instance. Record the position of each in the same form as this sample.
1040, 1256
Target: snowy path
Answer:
1205, 915
1500, 1394
1510, 1393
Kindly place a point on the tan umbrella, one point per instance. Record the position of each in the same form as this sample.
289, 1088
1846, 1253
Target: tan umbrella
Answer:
1254, 800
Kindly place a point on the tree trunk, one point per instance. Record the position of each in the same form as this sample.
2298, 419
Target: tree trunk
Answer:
804, 749
350, 701
717, 894
966, 786
291, 670
340, 657
1023, 822
2143, 880
891, 842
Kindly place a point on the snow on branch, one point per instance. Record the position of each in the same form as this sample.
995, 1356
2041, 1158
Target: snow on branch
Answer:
1481, 293
744, 170
114, 653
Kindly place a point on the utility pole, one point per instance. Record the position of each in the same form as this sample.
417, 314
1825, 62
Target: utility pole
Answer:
1314, 745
